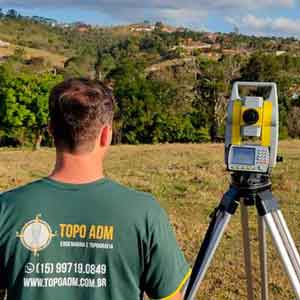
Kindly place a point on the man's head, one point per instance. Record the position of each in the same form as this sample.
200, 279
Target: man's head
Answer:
81, 115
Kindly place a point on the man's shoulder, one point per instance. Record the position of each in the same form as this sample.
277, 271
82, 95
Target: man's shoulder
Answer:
15, 193
134, 197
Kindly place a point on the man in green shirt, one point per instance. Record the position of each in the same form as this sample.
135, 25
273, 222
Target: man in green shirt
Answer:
76, 234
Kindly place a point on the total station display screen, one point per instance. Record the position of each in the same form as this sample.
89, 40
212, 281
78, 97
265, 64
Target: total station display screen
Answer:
243, 156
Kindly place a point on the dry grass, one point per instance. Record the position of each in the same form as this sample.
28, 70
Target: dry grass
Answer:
188, 180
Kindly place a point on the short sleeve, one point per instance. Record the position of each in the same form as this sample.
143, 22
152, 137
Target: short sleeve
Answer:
166, 269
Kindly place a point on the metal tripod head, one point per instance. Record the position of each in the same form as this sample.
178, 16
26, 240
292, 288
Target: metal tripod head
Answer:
250, 184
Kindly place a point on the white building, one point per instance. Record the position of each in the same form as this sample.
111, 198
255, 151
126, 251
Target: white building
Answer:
4, 44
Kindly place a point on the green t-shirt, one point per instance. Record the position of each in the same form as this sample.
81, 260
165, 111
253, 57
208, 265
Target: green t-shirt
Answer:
99, 240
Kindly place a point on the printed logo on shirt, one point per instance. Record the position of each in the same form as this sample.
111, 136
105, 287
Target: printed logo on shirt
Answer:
86, 236
36, 235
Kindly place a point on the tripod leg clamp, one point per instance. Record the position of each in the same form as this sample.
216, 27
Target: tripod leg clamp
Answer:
266, 203
229, 202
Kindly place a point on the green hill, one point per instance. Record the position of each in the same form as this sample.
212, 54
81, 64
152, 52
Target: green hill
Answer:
171, 84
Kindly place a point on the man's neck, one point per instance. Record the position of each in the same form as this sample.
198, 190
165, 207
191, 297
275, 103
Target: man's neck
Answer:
77, 169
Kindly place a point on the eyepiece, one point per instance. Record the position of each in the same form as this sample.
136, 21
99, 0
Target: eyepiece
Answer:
250, 116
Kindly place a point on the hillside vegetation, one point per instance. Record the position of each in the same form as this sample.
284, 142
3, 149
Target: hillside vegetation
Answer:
171, 84
52, 59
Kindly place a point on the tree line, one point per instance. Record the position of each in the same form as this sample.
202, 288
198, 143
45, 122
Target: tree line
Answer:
152, 108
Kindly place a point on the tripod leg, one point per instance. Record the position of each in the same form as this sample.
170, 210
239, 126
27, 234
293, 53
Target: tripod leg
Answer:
286, 257
219, 222
290, 241
204, 259
268, 208
247, 249
263, 257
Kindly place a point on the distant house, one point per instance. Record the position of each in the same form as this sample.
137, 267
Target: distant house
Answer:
64, 25
146, 27
81, 27
168, 29
4, 44
189, 45
212, 55
210, 37
241, 51
279, 53
230, 51
142, 28
180, 29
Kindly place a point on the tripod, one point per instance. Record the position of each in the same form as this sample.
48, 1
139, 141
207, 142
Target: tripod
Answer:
249, 189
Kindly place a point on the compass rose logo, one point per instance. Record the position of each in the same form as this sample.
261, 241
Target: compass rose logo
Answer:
36, 235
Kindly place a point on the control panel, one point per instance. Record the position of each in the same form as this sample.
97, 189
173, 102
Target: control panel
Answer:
249, 158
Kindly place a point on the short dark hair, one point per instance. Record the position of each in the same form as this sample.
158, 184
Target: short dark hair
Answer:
78, 109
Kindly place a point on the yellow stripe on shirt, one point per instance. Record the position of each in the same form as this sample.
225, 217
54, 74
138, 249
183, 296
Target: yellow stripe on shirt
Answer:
179, 287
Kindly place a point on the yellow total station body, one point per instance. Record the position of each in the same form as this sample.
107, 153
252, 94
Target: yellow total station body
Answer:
264, 121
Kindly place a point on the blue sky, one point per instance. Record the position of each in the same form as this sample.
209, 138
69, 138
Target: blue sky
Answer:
259, 17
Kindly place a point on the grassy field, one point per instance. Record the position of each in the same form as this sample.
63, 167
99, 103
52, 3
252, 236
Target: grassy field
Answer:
188, 180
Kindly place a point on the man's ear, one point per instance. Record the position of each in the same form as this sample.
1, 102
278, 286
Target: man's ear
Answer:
106, 136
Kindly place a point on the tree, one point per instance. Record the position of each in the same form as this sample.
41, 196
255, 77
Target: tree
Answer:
294, 122
159, 26
12, 13
24, 106
79, 66
135, 102
261, 67
150, 110
266, 67
212, 90
104, 62
154, 44
99, 58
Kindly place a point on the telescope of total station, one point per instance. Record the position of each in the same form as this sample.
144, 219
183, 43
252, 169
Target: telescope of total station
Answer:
251, 144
